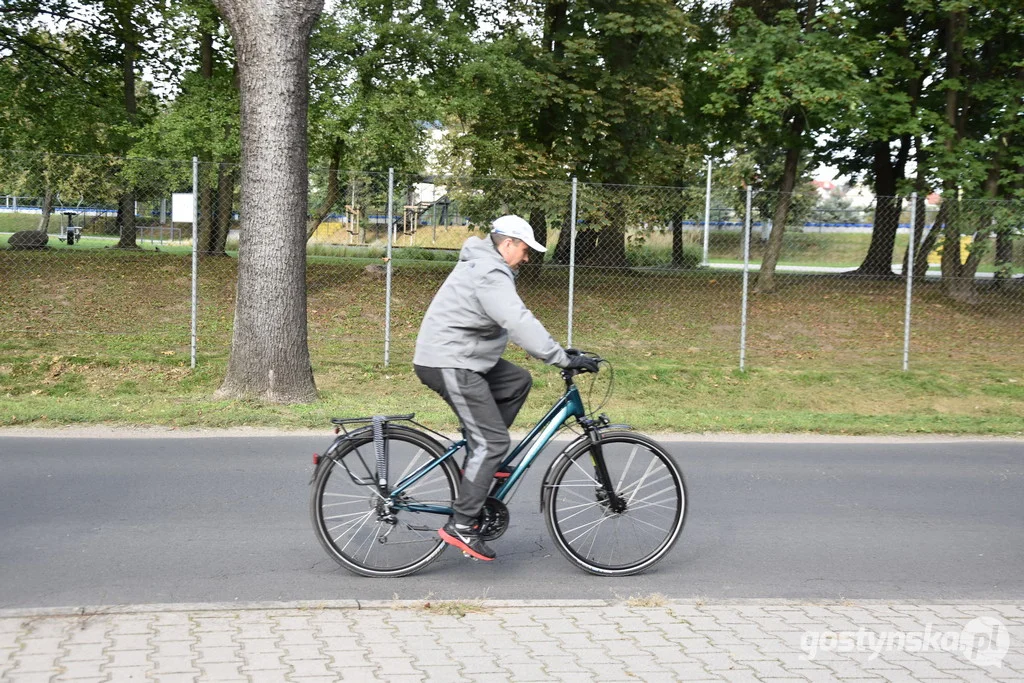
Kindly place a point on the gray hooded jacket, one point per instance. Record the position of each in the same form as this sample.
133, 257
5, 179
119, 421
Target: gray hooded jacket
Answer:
476, 311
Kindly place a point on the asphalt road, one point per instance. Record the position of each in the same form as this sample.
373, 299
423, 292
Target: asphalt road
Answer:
87, 521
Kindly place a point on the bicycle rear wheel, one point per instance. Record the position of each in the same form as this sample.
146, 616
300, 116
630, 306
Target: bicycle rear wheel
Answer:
376, 536
579, 513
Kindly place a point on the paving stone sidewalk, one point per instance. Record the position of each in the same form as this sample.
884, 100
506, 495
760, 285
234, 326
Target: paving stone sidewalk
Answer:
649, 639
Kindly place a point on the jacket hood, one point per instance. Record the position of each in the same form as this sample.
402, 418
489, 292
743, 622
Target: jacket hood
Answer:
482, 251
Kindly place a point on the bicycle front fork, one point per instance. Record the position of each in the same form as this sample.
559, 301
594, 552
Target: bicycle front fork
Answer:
606, 492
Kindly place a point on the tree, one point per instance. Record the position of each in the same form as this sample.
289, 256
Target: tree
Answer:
976, 132
784, 74
587, 89
269, 350
894, 58
202, 119
60, 98
375, 77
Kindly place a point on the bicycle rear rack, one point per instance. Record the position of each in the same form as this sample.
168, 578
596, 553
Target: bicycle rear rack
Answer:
375, 423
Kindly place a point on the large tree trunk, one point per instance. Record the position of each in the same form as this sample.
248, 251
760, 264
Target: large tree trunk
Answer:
586, 247
126, 202
878, 261
1004, 257
269, 348
918, 235
530, 272
927, 243
610, 249
125, 221
678, 253
564, 245
207, 201
46, 210
320, 213
207, 193
957, 286
766, 276
539, 223
222, 209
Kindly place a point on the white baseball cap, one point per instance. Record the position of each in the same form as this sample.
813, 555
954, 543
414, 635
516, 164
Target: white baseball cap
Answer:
514, 226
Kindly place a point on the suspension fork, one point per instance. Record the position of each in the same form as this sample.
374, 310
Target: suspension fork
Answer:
615, 502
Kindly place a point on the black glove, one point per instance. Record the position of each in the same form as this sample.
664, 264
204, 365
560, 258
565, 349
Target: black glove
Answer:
581, 363
572, 352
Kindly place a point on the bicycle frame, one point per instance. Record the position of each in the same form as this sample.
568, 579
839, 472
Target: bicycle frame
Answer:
570, 405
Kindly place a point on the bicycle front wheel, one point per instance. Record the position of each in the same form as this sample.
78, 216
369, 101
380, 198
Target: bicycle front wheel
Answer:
374, 535
582, 519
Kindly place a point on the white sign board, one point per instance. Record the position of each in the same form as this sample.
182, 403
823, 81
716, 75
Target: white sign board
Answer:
182, 207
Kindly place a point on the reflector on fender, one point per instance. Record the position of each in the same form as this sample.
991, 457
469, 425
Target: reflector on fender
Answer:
316, 458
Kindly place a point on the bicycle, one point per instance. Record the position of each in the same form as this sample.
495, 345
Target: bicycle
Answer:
381, 491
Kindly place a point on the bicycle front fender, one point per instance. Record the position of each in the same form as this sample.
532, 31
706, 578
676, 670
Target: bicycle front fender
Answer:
577, 443
545, 486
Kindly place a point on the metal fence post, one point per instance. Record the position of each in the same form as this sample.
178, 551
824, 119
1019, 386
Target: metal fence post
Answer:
707, 216
195, 256
572, 258
387, 279
910, 280
746, 281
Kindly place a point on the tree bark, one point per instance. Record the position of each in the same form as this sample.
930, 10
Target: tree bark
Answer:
46, 210
957, 287
678, 253
927, 244
539, 223
207, 193
320, 213
206, 207
564, 245
126, 202
878, 261
586, 247
269, 347
766, 276
125, 221
222, 211
609, 248
530, 272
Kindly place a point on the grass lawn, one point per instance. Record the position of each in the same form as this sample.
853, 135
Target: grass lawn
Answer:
97, 335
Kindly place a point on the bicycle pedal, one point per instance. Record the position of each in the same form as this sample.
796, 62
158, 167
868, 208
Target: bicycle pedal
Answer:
465, 554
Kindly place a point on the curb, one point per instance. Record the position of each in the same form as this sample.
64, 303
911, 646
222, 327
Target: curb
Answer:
325, 605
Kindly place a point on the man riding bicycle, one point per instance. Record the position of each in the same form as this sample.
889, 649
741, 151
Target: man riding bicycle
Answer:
458, 354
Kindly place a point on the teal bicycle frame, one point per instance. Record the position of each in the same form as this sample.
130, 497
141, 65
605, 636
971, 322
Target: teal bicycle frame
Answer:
567, 407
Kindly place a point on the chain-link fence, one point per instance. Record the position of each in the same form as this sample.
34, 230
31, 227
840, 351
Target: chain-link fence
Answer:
99, 251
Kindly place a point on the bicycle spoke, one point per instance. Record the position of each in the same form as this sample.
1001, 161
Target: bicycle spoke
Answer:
618, 487
413, 464
347, 514
576, 464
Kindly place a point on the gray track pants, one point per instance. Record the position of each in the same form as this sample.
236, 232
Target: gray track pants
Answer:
486, 405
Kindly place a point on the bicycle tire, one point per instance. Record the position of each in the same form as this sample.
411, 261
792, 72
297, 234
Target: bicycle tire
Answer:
579, 516
346, 514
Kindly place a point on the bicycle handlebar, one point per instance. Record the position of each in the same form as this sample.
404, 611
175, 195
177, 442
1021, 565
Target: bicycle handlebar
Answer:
569, 373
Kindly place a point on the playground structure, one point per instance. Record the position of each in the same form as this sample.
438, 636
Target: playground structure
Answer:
361, 224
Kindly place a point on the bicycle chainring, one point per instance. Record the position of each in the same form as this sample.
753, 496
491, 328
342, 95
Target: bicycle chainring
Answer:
494, 519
